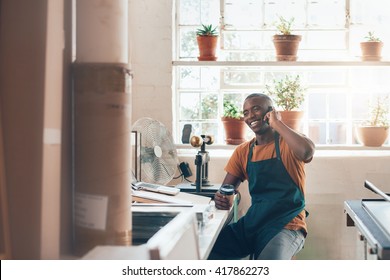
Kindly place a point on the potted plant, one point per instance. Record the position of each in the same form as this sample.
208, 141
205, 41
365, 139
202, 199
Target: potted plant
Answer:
286, 44
207, 38
371, 48
233, 123
289, 95
375, 130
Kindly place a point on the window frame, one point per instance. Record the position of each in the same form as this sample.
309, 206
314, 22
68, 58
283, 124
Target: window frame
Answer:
221, 64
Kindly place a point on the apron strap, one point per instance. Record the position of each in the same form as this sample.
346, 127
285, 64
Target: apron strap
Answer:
251, 151
276, 137
277, 146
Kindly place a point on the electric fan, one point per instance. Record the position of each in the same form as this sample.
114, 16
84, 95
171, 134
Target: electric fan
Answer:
157, 155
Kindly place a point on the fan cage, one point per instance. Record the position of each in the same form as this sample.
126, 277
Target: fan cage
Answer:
156, 156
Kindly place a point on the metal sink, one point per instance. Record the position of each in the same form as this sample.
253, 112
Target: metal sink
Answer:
146, 224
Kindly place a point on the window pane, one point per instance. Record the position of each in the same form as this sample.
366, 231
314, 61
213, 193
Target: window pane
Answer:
188, 44
243, 40
370, 79
240, 77
337, 133
326, 13
338, 106
277, 75
236, 99
210, 12
286, 9
209, 106
209, 77
189, 12
189, 106
196, 12
359, 105
317, 132
327, 77
322, 40
243, 13
317, 106
249, 56
373, 12
189, 77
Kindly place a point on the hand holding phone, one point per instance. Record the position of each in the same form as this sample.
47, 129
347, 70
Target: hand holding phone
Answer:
268, 110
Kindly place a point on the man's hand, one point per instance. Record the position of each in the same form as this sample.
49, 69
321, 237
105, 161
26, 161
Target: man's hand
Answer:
221, 201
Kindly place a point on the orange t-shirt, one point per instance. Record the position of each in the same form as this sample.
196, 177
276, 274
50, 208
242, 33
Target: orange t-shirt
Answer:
237, 166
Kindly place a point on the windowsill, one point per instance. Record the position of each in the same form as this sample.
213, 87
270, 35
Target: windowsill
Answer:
218, 150
281, 63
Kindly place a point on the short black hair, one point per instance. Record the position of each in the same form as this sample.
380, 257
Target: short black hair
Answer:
262, 95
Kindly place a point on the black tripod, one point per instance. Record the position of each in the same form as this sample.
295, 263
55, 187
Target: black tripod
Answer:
202, 161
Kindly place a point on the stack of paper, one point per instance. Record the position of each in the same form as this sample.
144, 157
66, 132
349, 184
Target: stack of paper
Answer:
181, 198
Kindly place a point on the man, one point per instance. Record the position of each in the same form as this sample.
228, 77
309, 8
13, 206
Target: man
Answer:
273, 162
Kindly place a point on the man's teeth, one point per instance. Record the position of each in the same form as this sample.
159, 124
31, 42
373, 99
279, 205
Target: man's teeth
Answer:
254, 123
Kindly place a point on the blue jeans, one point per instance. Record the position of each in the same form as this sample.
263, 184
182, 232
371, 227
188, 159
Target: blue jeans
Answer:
283, 246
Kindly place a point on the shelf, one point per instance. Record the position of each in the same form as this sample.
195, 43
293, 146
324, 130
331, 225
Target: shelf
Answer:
283, 63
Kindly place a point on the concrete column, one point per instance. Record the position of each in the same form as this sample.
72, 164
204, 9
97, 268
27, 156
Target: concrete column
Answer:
102, 125
102, 31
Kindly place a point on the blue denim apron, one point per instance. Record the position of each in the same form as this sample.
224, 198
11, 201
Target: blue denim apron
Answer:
276, 200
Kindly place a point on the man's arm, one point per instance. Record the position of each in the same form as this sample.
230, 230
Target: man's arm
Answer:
301, 145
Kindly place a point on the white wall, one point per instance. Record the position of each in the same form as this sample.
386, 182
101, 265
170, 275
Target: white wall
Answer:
332, 178
150, 45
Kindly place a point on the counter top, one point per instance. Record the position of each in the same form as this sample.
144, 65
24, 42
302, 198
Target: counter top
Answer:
367, 224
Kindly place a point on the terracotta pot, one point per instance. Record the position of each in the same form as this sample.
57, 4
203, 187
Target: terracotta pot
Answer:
207, 47
234, 130
372, 136
371, 51
286, 47
292, 119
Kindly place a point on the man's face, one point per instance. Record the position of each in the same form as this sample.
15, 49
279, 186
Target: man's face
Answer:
254, 110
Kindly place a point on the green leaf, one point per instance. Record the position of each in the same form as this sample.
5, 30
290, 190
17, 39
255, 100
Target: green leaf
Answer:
288, 93
207, 30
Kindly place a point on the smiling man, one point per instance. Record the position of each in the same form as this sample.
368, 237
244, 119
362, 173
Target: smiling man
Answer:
273, 162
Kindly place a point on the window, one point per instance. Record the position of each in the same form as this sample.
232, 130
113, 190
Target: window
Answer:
339, 86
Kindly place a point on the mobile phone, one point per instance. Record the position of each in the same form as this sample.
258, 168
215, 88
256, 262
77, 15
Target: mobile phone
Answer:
268, 110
